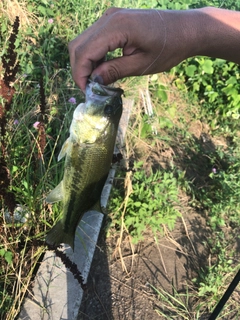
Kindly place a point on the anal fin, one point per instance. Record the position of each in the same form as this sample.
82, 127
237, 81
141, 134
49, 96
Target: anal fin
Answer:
57, 235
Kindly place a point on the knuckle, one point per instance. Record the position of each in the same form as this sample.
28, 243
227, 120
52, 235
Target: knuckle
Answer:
113, 74
74, 48
111, 11
70, 46
78, 52
117, 15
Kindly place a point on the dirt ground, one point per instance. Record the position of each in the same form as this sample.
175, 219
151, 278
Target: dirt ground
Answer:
121, 286
163, 263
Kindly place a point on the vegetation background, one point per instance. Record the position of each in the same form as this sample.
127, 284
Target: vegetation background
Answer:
182, 150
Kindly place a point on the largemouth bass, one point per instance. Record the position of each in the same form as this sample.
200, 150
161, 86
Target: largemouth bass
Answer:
88, 152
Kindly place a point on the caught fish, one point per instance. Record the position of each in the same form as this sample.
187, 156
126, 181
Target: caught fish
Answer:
88, 152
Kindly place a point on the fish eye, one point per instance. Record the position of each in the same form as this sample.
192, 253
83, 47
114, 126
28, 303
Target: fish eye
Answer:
108, 110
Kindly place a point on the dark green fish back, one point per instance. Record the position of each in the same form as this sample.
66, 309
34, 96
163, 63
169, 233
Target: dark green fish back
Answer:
88, 152
86, 170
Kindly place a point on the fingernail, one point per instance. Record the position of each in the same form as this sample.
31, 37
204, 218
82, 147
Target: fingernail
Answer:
97, 78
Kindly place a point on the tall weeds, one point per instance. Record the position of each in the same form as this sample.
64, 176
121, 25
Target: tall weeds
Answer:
10, 67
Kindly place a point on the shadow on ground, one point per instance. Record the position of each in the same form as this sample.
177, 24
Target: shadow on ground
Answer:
125, 283
123, 288
97, 301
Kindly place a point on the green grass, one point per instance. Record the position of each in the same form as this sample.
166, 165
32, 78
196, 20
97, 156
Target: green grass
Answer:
44, 86
207, 174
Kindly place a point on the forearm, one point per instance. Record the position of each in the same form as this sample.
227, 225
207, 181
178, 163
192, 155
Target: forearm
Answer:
224, 34
152, 41
207, 31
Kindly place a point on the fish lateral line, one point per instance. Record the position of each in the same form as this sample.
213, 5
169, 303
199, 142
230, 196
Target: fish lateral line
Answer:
88, 155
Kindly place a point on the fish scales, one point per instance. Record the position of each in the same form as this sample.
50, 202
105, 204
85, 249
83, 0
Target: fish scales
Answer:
81, 193
88, 152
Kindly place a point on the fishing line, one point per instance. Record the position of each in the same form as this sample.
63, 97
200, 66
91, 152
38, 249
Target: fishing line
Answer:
164, 43
160, 53
99, 79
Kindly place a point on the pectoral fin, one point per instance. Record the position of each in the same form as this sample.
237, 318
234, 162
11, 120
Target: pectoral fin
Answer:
56, 194
63, 151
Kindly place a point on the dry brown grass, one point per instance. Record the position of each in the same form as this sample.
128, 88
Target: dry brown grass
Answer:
13, 8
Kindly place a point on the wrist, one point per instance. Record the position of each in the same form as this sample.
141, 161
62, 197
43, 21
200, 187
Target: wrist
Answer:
183, 36
210, 32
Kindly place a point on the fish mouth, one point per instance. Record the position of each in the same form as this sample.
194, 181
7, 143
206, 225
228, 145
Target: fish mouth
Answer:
102, 90
100, 95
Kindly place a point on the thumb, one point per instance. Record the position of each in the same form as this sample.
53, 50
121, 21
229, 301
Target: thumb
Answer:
118, 68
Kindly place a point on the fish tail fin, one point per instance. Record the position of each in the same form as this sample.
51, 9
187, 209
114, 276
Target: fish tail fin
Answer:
57, 235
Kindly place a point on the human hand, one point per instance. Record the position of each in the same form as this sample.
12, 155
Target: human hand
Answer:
152, 41
143, 37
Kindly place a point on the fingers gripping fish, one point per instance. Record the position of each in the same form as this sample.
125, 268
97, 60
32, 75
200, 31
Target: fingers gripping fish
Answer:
88, 154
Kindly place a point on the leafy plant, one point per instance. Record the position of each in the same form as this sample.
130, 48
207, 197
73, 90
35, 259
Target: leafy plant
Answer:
215, 83
7, 255
38, 122
152, 203
213, 280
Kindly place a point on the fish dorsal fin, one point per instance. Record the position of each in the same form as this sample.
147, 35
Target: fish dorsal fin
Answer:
56, 194
63, 151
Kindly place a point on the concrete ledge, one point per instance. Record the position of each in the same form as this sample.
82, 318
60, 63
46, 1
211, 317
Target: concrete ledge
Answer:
56, 293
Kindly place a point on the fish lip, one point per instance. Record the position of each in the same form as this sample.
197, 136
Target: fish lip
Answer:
109, 91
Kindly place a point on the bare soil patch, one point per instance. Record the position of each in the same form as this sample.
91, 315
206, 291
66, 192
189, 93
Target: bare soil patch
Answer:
123, 288
122, 280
